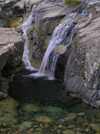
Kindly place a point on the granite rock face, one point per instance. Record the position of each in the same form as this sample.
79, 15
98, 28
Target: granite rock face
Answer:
11, 49
82, 74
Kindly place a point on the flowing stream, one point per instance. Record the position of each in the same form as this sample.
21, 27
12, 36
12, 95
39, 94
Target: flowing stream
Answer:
26, 25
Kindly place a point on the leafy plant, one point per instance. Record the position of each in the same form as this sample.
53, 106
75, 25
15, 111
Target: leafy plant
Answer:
5, 21
71, 1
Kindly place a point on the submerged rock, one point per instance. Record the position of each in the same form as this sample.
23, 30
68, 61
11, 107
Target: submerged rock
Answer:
70, 116
67, 131
45, 119
52, 109
8, 111
96, 127
25, 125
30, 108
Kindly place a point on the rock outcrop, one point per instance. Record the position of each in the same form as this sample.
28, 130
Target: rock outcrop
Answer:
82, 74
11, 49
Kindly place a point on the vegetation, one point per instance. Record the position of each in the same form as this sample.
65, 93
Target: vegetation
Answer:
82, 74
74, 43
71, 1
5, 21
38, 32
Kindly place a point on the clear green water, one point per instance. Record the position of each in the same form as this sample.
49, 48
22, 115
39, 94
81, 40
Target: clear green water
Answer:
40, 106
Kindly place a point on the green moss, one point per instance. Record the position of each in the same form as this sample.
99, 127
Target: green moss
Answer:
5, 21
74, 43
71, 2
37, 3
15, 22
38, 32
82, 74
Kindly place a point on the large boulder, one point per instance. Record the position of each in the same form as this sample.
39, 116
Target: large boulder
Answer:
82, 73
11, 50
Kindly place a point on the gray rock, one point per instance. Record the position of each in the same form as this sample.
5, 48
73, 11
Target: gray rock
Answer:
18, 8
47, 12
11, 50
83, 66
2, 95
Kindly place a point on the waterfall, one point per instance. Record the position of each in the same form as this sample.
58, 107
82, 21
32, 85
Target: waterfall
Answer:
63, 35
58, 36
26, 25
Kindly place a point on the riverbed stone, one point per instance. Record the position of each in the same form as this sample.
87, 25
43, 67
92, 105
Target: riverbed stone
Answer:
30, 108
52, 109
45, 119
81, 114
25, 125
71, 126
70, 116
67, 131
96, 127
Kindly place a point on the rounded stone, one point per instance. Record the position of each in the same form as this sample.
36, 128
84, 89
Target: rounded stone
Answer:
45, 119
70, 116
68, 132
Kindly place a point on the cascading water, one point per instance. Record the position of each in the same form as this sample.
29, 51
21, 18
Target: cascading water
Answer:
27, 24
62, 34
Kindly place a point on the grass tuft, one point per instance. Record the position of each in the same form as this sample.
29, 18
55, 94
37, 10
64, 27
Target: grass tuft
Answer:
69, 2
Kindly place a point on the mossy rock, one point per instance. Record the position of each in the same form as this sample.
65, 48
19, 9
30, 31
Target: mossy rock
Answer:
25, 125
67, 131
52, 109
30, 108
71, 116
8, 110
72, 2
45, 119
5, 21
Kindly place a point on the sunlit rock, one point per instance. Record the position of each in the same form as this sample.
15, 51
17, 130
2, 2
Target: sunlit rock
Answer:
45, 119
96, 127
25, 125
70, 116
67, 131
